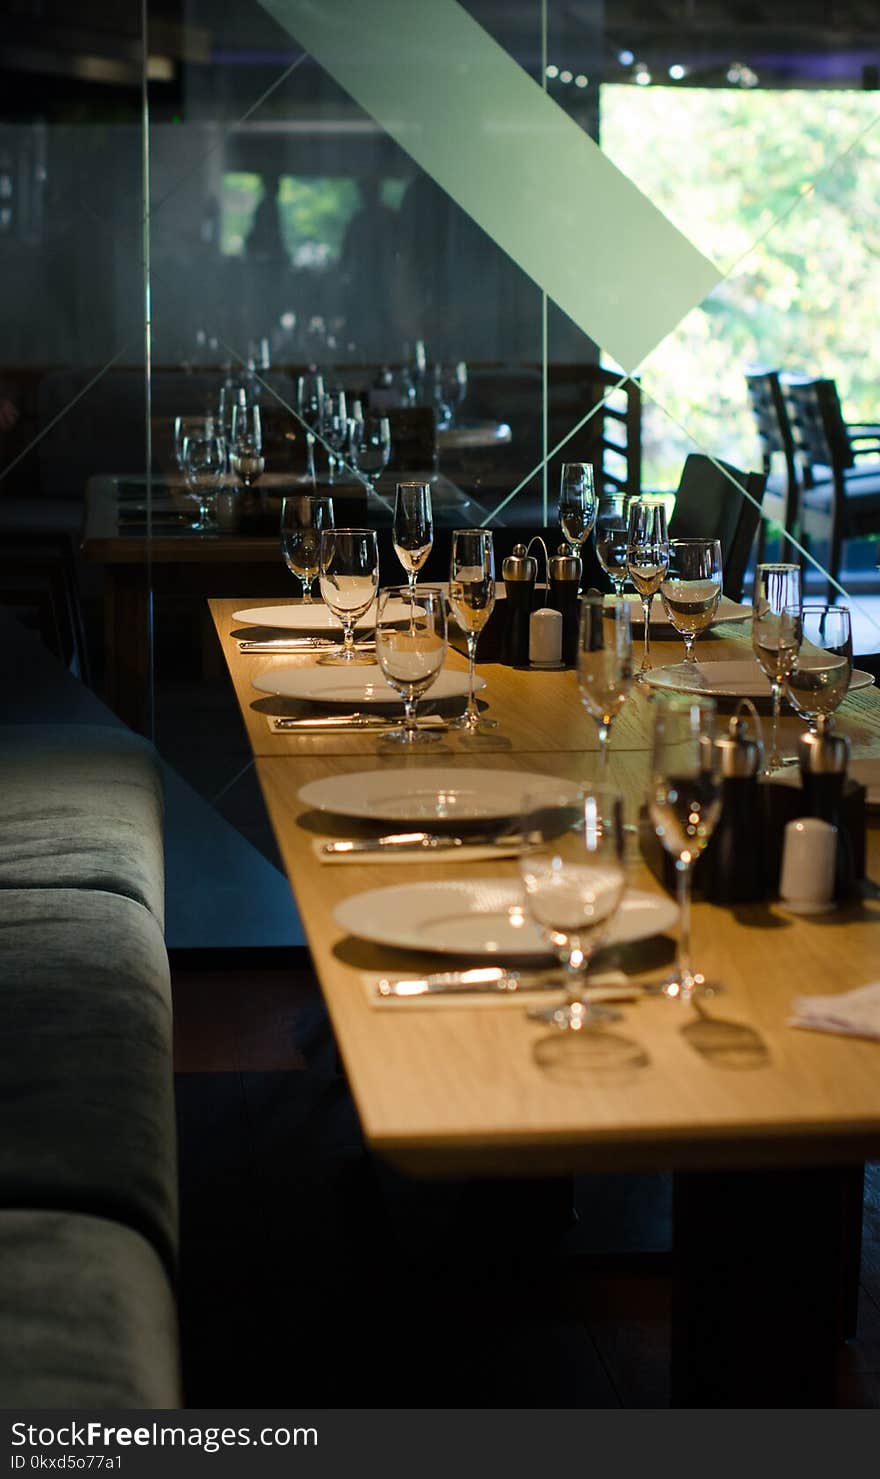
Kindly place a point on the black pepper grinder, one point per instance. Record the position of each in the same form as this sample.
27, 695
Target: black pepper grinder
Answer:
563, 580
733, 869
823, 757
520, 571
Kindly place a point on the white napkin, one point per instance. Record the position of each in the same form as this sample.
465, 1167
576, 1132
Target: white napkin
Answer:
855, 1013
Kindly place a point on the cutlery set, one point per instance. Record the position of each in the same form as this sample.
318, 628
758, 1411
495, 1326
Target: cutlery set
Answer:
404, 842
495, 980
331, 722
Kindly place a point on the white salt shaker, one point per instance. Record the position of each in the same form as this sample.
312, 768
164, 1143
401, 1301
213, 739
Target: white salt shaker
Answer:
545, 638
809, 856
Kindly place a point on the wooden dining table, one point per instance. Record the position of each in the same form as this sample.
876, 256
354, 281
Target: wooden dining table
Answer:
766, 1147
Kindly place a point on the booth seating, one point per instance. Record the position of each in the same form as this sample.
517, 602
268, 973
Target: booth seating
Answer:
88, 1168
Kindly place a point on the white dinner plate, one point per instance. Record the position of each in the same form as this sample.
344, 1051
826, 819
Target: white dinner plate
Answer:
335, 685
727, 611
741, 679
431, 795
314, 616
479, 917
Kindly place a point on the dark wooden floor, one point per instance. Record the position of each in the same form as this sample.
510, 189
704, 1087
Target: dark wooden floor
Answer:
313, 1275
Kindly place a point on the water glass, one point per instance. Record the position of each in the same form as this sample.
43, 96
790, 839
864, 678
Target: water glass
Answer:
310, 410
647, 560
302, 519
610, 535
370, 446
604, 663
684, 802
472, 598
573, 880
348, 563
204, 466
413, 533
818, 683
691, 588
246, 458
411, 649
577, 502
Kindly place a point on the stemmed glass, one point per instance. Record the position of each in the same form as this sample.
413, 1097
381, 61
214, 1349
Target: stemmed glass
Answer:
204, 466
413, 534
411, 649
348, 561
647, 560
691, 589
472, 598
573, 877
246, 458
370, 446
776, 635
302, 519
310, 407
819, 682
335, 430
189, 426
610, 538
604, 663
684, 804
577, 502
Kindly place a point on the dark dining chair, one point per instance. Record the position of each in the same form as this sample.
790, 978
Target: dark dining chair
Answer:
839, 500
781, 503
711, 504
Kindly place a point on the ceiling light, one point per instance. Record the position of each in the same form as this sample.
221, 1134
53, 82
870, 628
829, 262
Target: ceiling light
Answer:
581, 80
565, 75
677, 71
642, 76
626, 58
552, 70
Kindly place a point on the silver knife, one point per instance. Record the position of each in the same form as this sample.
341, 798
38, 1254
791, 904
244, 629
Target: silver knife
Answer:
353, 721
417, 842
494, 980
298, 644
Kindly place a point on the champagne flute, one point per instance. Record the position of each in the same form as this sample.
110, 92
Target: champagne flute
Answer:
310, 408
348, 561
819, 682
691, 589
335, 430
204, 465
573, 879
777, 599
684, 804
411, 649
647, 560
246, 458
604, 663
610, 537
472, 598
302, 519
577, 502
413, 534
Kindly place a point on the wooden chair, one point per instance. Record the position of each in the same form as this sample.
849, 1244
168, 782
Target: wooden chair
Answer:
839, 500
782, 498
710, 504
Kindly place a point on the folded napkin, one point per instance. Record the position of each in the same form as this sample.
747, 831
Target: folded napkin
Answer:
478, 853
855, 1013
502, 1000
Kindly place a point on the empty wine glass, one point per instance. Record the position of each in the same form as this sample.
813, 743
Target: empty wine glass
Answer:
302, 519
189, 426
348, 561
411, 649
819, 682
610, 536
472, 598
370, 446
647, 560
310, 408
335, 430
246, 458
604, 663
413, 533
577, 502
776, 636
573, 879
684, 804
204, 466
691, 589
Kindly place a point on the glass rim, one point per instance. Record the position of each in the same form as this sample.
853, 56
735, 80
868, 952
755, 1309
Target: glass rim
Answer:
344, 528
676, 543
431, 588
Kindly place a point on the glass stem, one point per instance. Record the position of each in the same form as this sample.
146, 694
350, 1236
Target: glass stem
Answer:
604, 731
348, 638
775, 760
689, 639
472, 713
647, 602
307, 590
310, 464
683, 957
409, 710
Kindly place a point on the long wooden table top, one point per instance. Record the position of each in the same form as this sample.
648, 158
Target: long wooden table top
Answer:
457, 1090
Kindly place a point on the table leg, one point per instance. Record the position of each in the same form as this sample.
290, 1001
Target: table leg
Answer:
759, 1289
127, 665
